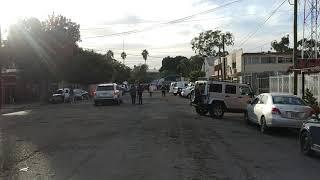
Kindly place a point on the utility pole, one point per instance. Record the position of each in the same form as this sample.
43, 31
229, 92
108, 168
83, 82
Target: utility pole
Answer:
295, 44
224, 59
1, 82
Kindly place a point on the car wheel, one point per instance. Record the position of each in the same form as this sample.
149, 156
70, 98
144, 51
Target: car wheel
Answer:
201, 111
217, 110
263, 125
305, 143
246, 118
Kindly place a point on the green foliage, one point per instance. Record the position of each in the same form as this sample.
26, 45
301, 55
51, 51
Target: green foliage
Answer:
139, 74
180, 65
194, 75
145, 55
123, 56
310, 99
282, 46
210, 43
110, 54
41, 50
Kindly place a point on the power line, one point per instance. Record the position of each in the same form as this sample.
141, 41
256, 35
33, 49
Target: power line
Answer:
167, 23
261, 25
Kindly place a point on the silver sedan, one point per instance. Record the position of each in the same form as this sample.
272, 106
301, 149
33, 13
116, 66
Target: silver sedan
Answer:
277, 110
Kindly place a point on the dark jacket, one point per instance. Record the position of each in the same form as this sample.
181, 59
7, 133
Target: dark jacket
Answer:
133, 91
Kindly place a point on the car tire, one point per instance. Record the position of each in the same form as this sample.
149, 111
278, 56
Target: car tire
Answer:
263, 126
305, 143
217, 110
175, 94
201, 111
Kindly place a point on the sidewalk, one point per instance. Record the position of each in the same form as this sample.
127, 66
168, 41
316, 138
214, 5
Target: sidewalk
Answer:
9, 108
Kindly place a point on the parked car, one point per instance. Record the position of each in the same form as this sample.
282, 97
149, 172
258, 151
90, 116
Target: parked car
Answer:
218, 97
178, 86
107, 93
81, 94
187, 91
277, 110
60, 96
310, 136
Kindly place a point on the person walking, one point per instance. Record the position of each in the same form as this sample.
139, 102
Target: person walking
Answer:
140, 91
72, 96
133, 93
151, 89
163, 90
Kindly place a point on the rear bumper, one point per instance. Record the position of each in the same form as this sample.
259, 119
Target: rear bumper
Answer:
105, 99
285, 122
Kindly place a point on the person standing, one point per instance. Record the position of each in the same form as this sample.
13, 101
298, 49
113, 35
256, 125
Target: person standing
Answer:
133, 93
140, 91
72, 96
163, 90
151, 89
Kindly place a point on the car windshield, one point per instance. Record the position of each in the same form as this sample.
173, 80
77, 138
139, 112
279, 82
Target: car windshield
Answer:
288, 100
58, 91
105, 88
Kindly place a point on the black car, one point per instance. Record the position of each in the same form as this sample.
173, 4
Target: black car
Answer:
310, 136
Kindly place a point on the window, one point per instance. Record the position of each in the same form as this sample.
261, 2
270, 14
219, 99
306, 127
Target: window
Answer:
247, 60
231, 89
105, 88
268, 60
245, 90
255, 60
215, 88
264, 99
234, 65
255, 101
284, 60
288, 100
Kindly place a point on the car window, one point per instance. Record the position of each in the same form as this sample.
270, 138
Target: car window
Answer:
105, 88
58, 91
67, 91
264, 99
245, 90
255, 101
230, 89
288, 100
215, 88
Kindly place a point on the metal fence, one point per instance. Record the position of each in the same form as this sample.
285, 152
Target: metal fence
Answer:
284, 84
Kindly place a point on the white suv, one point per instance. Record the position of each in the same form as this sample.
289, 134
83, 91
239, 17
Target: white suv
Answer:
217, 97
107, 93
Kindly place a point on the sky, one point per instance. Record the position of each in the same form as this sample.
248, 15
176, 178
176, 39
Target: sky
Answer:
99, 19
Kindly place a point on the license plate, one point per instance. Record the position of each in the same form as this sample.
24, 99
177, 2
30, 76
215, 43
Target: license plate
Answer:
294, 115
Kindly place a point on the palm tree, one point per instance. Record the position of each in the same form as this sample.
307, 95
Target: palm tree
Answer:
145, 55
110, 54
123, 56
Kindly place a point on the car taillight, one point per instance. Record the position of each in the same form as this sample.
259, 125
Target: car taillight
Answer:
275, 110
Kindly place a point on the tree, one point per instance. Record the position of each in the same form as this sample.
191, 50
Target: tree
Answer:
171, 65
194, 75
110, 54
139, 74
311, 101
210, 43
123, 56
282, 46
196, 62
145, 55
41, 50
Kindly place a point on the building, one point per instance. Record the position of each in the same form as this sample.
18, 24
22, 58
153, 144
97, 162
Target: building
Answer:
256, 68
233, 65
208, 66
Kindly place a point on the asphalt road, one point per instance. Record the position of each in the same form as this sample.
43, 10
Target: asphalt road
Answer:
162, 139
